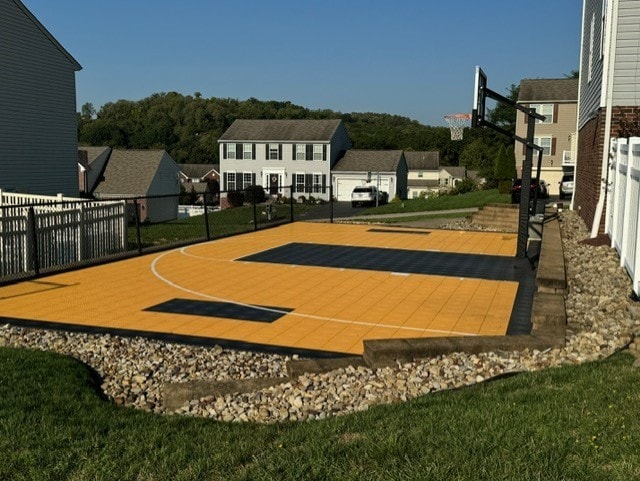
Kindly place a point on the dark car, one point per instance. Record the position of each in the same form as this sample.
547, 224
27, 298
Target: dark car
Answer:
516, 189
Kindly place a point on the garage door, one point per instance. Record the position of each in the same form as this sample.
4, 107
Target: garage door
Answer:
344, 187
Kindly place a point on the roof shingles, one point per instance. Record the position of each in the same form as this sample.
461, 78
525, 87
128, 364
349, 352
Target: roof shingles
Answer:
369, 161
277, 130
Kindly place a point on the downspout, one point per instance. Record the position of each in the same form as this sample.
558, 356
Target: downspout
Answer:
610, 49
578, 108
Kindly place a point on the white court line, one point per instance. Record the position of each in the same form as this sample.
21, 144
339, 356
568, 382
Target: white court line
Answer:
293, 313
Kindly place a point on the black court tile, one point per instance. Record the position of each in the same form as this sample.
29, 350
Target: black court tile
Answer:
227, 310
490, 267
398, 231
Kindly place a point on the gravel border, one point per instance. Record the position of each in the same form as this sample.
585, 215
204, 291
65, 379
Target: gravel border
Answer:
601, 320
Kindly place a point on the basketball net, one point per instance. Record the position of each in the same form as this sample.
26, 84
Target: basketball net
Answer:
457, 124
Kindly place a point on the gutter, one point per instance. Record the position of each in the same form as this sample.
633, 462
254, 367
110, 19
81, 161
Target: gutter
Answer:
608, 69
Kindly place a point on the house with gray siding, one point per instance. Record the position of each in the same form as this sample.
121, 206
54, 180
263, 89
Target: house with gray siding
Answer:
38, 136
384, 169
609, 97
278, 154
151, 174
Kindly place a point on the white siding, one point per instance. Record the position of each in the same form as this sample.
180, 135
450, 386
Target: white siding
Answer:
38, 137
626, 83
591, 85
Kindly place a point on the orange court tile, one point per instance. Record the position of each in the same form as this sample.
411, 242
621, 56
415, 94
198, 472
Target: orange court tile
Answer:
317, 308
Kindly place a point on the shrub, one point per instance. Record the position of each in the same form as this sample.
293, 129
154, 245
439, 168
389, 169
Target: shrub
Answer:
464, 186
302, 199
254, 194
235, 198
504, 186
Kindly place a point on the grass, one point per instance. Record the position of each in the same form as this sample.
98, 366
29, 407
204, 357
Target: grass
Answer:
443, 202
412, 218
572, 423
221, 223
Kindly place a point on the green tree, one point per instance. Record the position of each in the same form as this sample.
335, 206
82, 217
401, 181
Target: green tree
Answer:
504, 115
477, 155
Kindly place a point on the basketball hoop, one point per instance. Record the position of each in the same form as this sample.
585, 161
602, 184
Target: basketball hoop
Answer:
457, 124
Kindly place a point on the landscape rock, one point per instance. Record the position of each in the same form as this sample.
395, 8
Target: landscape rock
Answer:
601, 320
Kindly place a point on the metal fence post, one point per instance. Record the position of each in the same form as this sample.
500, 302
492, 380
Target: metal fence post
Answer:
331, 202
291, 202
137, 214
255, 211
206, 216
32, 242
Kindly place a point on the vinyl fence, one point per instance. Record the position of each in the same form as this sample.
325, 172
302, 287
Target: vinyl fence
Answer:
623, 205
43, 232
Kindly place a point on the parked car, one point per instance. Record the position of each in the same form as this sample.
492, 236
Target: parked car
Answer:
367, 194
541, 187
566, 186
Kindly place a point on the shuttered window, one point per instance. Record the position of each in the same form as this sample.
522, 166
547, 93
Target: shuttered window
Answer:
231, 151
547, 110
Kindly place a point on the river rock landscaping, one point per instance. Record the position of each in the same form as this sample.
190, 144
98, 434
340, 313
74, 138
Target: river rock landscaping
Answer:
601, 320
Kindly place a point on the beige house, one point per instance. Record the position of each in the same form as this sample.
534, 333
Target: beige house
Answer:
450, 175
557, 100
423, 173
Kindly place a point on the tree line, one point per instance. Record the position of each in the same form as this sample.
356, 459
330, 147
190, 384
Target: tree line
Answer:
188, 127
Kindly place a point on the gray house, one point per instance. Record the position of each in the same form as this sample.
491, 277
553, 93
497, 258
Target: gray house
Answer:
142, 173
38, 137
608, 99
277, 154
385, 169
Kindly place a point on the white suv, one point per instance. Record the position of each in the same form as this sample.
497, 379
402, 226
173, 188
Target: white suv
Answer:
367, 194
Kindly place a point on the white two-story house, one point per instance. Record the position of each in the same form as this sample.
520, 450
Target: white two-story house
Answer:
281, 155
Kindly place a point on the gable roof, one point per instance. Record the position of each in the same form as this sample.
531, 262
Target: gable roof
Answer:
197, 171
548, 90
130, 172
369, 161
74, 63
278, 130
455, 171
93, 152
422, 160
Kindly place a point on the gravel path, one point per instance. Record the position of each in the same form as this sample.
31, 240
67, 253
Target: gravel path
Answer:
133, 370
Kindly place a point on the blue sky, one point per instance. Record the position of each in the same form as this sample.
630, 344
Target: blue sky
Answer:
414, 58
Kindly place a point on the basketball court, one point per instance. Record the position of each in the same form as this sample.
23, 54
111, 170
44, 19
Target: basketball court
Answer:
312, 288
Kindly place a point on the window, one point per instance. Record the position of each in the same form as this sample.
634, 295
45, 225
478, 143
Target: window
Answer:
274, 152
231, 181
317, 152
415, 194
299, 182
546, 110
248, 151
420, 174
247, 179
317, 182
301, 152
545, 143
231, 151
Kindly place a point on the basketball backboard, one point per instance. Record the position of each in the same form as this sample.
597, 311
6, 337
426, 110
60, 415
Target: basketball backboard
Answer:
479, 98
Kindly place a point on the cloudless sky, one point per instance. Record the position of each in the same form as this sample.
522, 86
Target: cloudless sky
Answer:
414, 58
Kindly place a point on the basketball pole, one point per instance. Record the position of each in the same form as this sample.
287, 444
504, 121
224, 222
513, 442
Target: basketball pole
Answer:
527, 166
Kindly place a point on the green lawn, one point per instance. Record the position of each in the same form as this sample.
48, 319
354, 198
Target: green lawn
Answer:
574, 423
443, 202
221, 223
